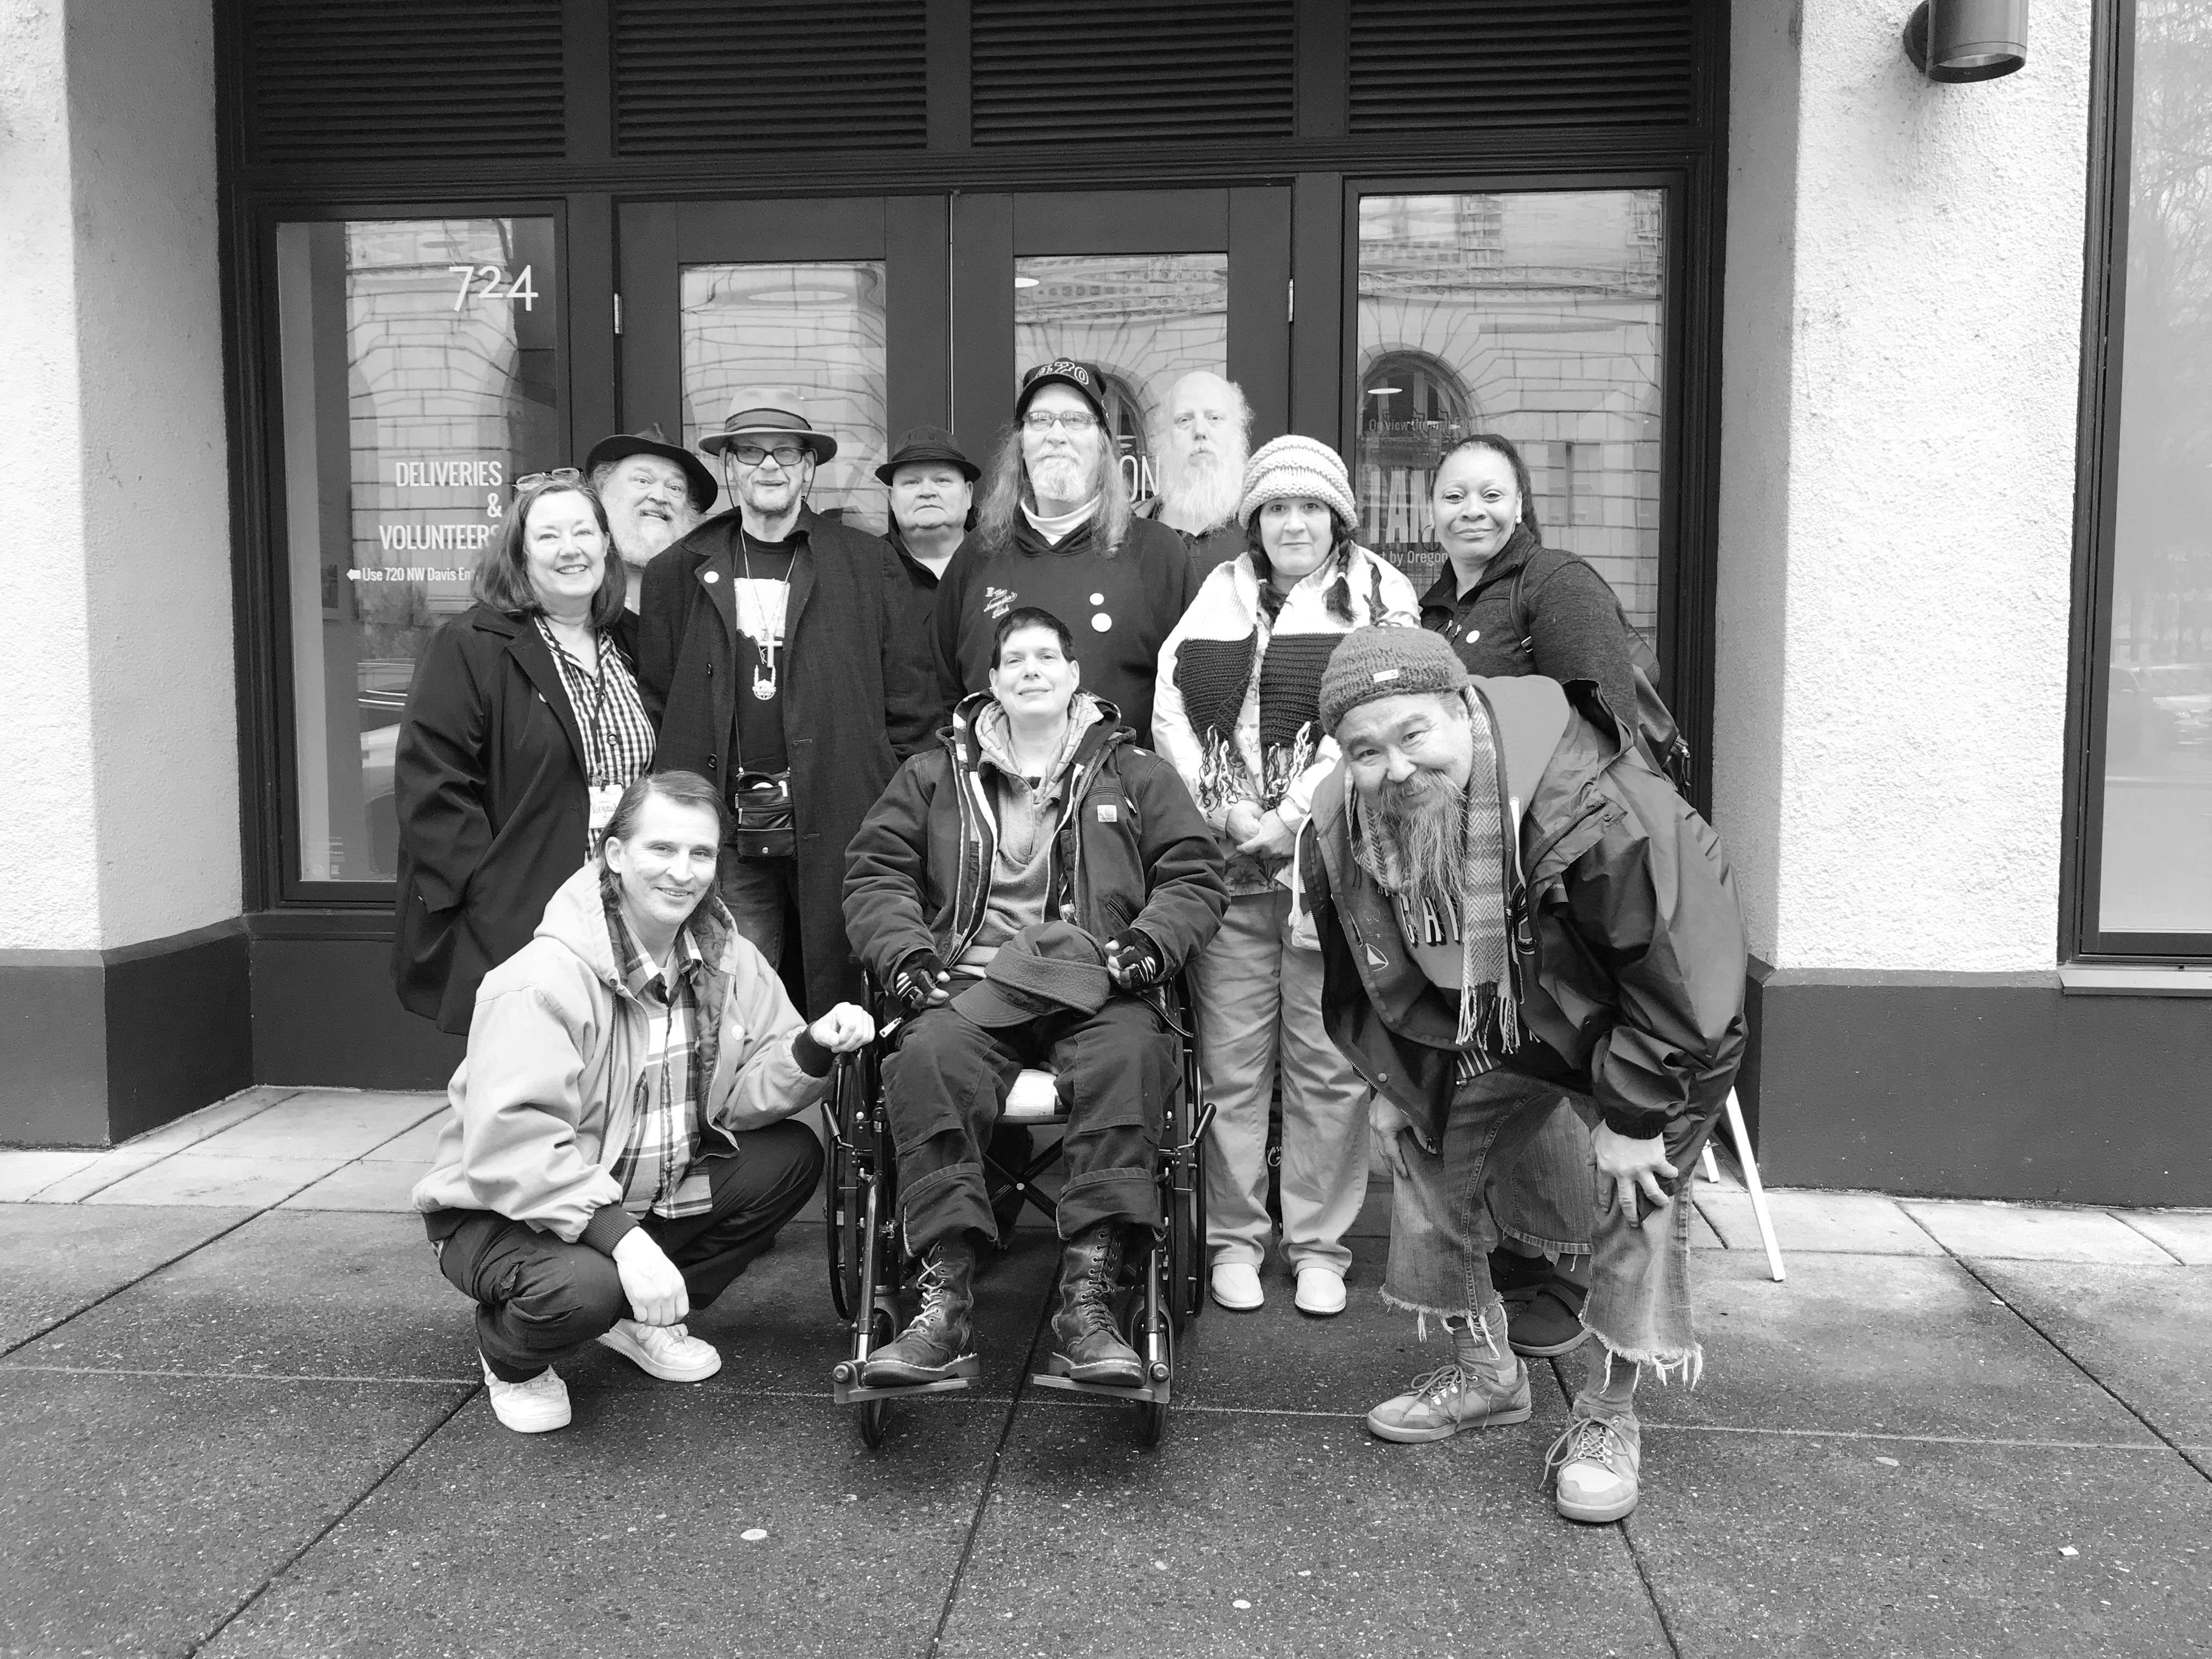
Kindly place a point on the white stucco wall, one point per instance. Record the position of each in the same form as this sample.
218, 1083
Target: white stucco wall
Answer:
1897, 477
49, 833
119, 812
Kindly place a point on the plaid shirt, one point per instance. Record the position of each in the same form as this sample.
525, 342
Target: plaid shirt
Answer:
618, 738
658, 1170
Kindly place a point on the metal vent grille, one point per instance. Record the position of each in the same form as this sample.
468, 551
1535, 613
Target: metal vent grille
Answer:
1457, 65
711, 75
1131, 71
403, 80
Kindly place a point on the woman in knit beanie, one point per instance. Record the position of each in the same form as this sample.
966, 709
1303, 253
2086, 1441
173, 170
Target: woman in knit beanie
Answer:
1236, 710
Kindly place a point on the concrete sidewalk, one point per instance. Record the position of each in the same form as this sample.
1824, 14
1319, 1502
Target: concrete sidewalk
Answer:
239, 1414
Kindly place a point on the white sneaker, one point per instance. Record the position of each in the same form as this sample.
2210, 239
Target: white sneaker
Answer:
1321, 1292
1236, 1286
668, 1352
531, 1406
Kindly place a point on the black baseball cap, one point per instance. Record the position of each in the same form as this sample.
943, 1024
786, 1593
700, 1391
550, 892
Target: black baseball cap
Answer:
1064, 371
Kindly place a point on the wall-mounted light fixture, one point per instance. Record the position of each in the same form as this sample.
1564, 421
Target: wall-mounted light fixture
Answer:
1957, 40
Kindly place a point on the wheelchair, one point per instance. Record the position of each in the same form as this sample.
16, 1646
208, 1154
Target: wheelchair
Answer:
1163, 1285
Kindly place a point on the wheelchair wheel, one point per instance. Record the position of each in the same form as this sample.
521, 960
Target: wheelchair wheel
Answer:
844, 1207
1151, 1417
875, 1414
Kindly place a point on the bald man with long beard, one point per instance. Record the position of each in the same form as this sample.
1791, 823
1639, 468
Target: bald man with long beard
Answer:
1205, 437
1514, 909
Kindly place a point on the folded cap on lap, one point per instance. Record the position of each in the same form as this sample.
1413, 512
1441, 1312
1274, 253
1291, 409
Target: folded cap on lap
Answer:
1051, 968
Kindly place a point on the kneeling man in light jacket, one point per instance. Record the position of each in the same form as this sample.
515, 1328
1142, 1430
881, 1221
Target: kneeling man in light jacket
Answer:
621, 1144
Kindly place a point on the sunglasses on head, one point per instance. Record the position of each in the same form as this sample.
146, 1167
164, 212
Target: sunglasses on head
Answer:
558, 475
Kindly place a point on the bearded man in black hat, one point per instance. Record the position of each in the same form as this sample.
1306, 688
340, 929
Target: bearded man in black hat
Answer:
776, 652
1514, 909
654, 494
1028, 966
1056, 530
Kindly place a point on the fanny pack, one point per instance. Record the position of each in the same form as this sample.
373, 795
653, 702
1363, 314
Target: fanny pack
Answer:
762, 825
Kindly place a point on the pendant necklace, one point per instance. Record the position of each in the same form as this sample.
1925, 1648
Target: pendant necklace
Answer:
765, 644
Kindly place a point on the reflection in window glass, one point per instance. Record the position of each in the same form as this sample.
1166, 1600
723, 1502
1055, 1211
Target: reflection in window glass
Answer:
420, 377
1536, 315
816, 328
1145, 319
2157, 873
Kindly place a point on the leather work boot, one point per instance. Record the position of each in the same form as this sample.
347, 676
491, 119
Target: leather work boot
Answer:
1483, 1385
936, 1342
1083, 1327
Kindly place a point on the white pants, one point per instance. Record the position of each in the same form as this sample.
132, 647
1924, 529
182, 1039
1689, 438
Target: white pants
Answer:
1258, 1009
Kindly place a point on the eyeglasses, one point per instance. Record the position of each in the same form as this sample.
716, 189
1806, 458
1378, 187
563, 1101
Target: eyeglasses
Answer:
754, 454
1075, 420
558, 475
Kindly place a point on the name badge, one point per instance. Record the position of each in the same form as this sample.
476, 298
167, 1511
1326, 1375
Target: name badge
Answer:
604, 796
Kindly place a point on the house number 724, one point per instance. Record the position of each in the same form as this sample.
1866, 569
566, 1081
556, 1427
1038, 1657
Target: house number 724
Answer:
491, 276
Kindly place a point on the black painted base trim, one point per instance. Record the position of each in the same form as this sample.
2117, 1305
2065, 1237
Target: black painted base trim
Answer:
97, 1045
325, 1013
1979, 1086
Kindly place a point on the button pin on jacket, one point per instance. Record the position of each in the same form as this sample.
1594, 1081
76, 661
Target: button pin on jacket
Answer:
1375, 957
712, 576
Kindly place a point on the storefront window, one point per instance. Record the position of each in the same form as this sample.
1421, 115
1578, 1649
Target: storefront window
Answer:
1146, 320
815, 328
1536, 315
420, 377
2156, 875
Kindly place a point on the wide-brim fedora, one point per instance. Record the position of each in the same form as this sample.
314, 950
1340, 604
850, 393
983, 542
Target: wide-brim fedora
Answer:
654, 442
1050, 968
757, 413
928, 443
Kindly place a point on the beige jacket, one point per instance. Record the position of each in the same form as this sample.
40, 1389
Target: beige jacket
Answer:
542, 1105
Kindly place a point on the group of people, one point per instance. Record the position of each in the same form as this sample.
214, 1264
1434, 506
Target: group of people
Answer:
678, 775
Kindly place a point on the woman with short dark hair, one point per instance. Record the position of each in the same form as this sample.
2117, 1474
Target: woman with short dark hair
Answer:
523, 725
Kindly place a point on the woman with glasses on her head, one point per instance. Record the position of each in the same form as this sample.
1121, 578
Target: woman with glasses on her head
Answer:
523, 727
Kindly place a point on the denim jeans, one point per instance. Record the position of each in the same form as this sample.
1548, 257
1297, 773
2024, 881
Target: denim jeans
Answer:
1258, 999
1544, 1198
1442, 1232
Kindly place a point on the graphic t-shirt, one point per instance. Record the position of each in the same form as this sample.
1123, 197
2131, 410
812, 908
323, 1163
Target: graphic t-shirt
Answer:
762, 585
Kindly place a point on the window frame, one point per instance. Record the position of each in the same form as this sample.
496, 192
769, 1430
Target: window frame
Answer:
2111, 116
272, 822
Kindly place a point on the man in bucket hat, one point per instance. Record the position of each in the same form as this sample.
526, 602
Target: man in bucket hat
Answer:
1018, 888
932, 500
1513, 907
775, 652
655, 495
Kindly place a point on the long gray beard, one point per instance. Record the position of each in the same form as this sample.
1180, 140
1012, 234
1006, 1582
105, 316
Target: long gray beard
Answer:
638, 539
1416, 848
1201, 493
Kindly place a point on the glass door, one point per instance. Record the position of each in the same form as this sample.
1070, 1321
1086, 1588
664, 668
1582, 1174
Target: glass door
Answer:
841, 300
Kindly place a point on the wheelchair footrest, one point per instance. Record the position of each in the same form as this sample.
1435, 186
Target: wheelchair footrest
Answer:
853, 1394
1153, 1393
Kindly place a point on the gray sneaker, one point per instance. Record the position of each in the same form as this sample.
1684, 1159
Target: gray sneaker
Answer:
1596, 1461
1450, 1398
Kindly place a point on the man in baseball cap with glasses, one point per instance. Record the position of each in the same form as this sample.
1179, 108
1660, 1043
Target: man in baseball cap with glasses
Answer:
774, 649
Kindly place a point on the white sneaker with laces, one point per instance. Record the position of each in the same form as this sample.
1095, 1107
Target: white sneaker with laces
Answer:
533, 1406
1236, 1286
1321, 1292
668, 1352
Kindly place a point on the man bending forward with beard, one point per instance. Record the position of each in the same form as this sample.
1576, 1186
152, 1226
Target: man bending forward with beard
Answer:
1205, 437
1513, 908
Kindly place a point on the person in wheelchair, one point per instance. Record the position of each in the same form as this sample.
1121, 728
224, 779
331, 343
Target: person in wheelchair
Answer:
1021, 892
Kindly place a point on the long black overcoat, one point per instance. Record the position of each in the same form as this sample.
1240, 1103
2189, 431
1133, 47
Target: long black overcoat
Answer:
860, 694
489, 782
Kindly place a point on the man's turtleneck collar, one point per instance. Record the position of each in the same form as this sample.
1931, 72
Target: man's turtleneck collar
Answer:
1059, 527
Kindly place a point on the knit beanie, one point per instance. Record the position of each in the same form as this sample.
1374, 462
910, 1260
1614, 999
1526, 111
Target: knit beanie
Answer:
1386, 662
1289, 467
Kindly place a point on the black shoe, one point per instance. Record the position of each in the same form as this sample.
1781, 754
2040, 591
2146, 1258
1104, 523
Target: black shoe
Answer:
1087, 1343
1545, 1321
935, 1344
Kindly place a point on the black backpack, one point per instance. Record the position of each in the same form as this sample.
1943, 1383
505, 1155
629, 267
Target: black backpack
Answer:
1655, 727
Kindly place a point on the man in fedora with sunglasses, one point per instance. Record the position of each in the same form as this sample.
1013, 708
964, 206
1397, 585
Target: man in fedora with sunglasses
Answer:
775, 652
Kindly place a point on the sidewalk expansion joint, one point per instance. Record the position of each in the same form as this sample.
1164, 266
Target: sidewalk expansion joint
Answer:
56, 1322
